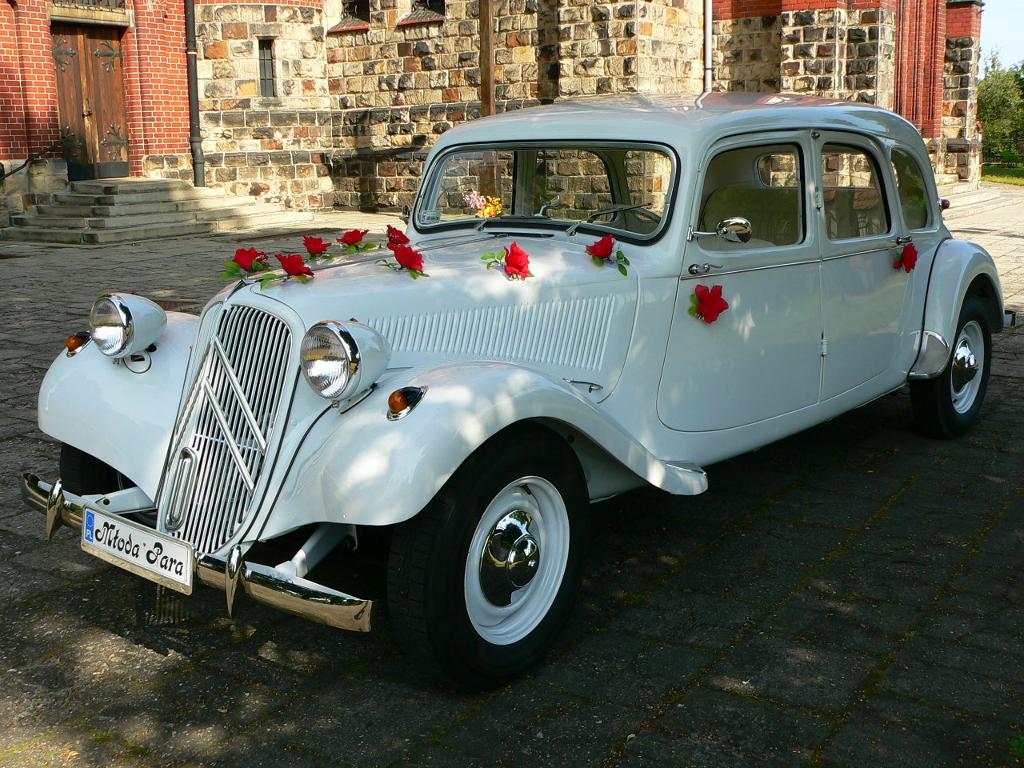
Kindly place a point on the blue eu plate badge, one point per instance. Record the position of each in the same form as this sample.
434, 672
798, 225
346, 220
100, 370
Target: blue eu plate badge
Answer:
90, 524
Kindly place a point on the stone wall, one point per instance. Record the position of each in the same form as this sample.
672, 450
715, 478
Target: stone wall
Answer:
271, 147
37, 183
748, 54
396, 86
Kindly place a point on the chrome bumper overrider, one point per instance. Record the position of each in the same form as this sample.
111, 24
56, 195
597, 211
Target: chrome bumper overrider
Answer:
264, 584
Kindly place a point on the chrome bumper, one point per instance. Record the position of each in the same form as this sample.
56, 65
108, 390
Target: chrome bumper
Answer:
262, 583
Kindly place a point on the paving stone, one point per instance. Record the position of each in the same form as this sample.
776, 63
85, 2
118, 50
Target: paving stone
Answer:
739, 730
795, 673
889, 731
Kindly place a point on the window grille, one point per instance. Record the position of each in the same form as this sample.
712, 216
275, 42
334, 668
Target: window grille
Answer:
268, 81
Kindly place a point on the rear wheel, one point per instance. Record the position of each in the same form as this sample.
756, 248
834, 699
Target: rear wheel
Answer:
480, 582
948, 405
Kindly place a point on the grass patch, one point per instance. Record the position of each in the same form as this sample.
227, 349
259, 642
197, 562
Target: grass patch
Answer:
1003, 174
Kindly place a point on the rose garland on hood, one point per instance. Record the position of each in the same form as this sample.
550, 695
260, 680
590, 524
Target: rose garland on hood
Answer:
515, 261
352, 242
252, 264
604, 252
316, 247
408, 259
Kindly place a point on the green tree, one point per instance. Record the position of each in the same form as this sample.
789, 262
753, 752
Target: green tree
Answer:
1001, 111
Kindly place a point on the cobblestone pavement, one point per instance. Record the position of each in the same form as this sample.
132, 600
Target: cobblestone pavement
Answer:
851, 596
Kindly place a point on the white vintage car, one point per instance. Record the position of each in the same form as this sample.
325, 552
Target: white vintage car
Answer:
611, 293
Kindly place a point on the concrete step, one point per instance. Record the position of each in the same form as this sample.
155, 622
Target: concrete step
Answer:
111, 222
133, 186
135, 209
948, 190
281, 220
945, 179
103, 236
965, 199
123, 198
984, 206
133, 234
226, 213
34, 235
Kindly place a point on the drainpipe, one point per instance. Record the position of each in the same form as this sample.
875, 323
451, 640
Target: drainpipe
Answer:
709, 68
195, 140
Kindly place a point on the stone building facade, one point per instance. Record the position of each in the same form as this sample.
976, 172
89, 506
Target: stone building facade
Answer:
335, 103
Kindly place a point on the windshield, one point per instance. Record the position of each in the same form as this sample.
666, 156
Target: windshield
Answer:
619, 187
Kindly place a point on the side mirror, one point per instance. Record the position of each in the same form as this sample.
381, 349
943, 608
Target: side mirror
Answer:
405, 214
735, 230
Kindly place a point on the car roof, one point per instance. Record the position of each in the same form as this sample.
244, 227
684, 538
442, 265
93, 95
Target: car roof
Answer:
685, 122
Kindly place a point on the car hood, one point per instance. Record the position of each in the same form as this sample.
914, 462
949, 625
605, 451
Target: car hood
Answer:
572, 319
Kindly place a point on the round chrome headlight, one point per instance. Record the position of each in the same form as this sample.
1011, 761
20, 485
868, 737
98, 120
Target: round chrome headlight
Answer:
341, 360
110, 325
329, 358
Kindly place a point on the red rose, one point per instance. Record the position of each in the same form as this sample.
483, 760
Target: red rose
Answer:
315, 246
603, 248
294, 264
408, 257
247, 258
517, 261
396, 236
353, 237
908, 259
710, 303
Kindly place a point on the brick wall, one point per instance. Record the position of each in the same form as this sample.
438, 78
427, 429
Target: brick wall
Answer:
748, 54
960, 130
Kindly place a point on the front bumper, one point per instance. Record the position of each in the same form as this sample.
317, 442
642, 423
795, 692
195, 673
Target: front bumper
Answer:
264, 584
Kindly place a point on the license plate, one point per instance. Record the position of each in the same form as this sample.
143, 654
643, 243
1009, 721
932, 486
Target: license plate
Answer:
138, 549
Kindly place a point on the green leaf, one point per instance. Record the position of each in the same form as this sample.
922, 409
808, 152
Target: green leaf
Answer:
598, 261
371, 246
226, 276
622, 269
692, 311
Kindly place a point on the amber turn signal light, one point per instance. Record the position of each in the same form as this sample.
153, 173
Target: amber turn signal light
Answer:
76, 341
403, 400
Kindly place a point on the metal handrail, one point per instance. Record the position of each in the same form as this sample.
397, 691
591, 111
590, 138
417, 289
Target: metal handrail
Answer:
4, 173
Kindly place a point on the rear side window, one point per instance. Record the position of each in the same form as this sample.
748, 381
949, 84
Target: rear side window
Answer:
913, 190
761, 184
854, 202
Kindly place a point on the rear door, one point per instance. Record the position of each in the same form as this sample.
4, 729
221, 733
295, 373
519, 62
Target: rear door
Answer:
863, 294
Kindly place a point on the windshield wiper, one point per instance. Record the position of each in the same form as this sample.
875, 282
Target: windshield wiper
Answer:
604, 212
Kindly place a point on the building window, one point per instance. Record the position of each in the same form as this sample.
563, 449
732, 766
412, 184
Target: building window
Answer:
268, 81
424, 12
358, 9
436, 6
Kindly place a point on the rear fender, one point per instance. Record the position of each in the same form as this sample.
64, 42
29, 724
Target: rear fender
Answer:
959, 267
122, 417
360, 468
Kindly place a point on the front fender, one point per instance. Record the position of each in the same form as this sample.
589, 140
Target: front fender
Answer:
359, 468
958, 265
124, 419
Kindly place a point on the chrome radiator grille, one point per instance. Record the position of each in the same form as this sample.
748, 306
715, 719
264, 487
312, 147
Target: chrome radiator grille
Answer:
226, 429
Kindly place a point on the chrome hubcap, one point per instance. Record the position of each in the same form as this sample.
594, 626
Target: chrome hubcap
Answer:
965, 366
516, 560
968, 362
510, 558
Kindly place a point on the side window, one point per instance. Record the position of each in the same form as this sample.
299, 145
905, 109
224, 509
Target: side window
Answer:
761, 184
913, 190
854, 202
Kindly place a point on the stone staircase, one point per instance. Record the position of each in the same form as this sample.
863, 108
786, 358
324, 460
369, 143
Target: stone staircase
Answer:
968, 199
127, 210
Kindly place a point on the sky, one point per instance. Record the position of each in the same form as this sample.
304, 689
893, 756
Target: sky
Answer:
1002, 30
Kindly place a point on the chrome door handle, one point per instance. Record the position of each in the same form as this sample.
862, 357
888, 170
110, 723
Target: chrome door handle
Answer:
904, 240
702, 269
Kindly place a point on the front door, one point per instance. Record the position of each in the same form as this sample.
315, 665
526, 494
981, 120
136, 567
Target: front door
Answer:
762, 357
90, 91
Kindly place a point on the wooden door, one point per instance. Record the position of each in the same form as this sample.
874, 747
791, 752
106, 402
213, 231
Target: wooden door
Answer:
90, 91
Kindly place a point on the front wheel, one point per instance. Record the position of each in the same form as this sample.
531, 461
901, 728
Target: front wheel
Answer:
480, 582
948, 405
